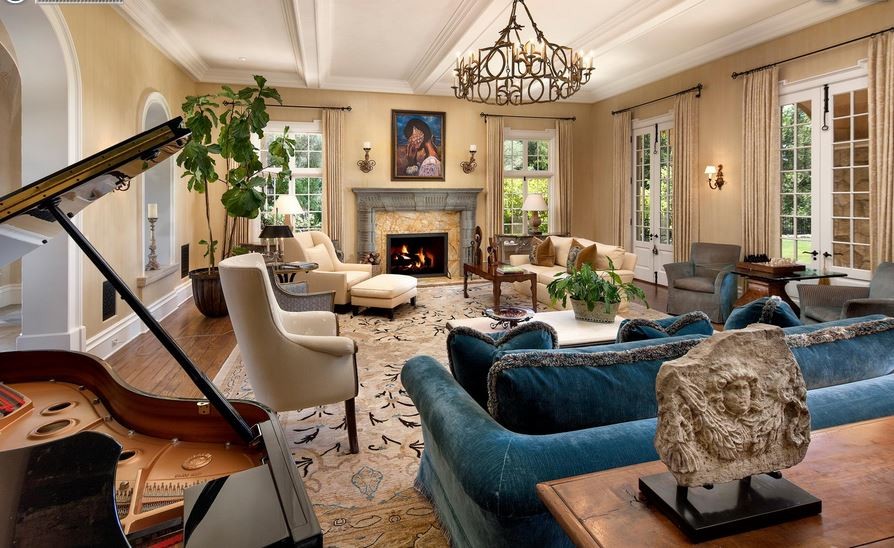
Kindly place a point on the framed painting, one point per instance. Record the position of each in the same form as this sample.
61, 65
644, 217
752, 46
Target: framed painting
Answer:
417, 145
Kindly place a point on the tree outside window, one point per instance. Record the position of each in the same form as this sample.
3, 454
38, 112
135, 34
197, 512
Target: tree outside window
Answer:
527, 169
306, 182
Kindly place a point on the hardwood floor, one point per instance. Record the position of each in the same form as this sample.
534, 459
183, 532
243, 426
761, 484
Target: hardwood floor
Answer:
145, 364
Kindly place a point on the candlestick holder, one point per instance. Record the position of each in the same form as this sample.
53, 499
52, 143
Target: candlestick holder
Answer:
152, 264
469, 167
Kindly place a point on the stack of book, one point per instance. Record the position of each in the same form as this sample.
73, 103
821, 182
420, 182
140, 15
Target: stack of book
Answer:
507, 269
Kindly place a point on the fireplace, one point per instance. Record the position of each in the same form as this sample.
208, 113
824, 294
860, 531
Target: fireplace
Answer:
417, 255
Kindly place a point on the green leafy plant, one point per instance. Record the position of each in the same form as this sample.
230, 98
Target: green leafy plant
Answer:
239, 119
589, 286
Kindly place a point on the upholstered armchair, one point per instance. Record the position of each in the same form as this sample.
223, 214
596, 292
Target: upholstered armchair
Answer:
294, 360
294, 297
823, 303
705, 282
332, 274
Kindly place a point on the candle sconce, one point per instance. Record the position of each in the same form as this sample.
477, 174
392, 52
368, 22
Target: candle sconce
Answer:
469, 167
366, 165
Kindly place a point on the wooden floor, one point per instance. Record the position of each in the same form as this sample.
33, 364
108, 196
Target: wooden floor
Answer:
145, 364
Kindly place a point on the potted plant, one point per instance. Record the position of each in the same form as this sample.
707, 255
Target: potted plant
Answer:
239, 119
594, 298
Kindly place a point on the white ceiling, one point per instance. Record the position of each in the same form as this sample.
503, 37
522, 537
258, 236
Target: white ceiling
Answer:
406, 46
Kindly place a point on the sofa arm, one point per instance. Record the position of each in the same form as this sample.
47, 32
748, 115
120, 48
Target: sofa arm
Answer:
678, 270
498, 469
362, 267
334, 346
722, 274
829, 295
855, 308
519, 260
318, 280
315, 323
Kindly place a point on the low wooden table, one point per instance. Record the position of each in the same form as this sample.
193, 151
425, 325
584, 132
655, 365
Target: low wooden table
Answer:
489, 272
849, 467
572, 332
765, 284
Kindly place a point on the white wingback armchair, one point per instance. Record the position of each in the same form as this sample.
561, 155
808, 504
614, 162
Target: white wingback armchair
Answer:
294, 360
332, 275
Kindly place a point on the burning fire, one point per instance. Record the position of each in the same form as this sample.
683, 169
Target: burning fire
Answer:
421, 259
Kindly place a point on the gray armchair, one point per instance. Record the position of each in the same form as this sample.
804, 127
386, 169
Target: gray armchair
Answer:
823, 303
705, 282
294, 297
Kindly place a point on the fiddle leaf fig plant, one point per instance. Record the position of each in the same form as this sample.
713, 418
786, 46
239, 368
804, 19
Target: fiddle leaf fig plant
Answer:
587, 285
239, 119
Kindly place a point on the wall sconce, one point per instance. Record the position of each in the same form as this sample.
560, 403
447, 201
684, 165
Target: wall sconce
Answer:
715, 176
366, 165
469, 167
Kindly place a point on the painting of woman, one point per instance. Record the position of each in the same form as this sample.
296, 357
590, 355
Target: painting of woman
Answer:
417, 145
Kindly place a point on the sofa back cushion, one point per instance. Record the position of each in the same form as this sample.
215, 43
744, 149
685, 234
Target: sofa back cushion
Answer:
844, 351
691, 323
543, 253
605, 252
769, 310
320, 255
472, 353
563, 390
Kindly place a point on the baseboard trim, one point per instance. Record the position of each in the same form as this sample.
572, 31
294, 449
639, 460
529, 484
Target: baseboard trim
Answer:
111, 339
10, 294
53, 341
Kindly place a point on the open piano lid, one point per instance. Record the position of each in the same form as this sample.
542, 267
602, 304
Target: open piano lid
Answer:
25, 227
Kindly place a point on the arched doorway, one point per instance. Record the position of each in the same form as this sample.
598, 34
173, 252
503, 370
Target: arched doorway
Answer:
51, 139
10, 175
158, 187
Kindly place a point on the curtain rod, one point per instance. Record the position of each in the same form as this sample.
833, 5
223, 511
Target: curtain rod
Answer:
696, 88
316, 107
485, 115
814, 52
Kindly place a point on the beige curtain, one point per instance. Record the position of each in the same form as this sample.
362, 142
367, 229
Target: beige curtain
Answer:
562, 198
494, 214
686, 178
760, 163
621, 182
881, 148
333, 133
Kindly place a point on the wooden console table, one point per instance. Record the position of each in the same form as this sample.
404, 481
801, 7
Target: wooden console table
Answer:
764, 284
849, 467
489, 272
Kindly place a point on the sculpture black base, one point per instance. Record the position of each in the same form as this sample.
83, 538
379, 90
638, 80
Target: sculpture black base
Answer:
728, 508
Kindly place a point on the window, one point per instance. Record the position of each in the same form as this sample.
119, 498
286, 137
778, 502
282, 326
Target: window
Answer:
653, 191
306, 180
824, 170
527, 169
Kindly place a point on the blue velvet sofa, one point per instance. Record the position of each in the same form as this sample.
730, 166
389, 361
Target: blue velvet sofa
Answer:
481, 475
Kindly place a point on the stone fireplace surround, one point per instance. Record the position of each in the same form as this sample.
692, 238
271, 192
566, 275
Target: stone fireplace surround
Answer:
371, 200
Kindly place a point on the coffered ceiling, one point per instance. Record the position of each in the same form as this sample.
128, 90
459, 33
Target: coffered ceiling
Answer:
407, 46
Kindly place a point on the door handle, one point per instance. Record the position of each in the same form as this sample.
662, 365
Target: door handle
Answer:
813, 253
826, 254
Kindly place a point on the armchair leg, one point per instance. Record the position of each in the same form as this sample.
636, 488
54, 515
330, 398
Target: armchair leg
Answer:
351, 420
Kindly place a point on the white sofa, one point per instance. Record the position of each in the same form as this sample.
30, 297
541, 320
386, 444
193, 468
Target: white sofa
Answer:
332, 275
562, 245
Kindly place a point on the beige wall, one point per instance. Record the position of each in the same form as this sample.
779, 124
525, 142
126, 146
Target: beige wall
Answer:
370, 120
720, 132
119, 69
10, 141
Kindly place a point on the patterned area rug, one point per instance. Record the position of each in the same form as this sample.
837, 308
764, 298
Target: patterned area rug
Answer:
368, 499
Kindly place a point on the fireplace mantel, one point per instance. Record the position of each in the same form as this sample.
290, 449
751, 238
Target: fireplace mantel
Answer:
370, 200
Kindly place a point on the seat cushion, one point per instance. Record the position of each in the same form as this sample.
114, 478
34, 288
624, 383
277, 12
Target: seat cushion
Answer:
471, 353
545, 274
695, 283
822, 313
691, 323
769, 310
320, 255
384, 286
354, 277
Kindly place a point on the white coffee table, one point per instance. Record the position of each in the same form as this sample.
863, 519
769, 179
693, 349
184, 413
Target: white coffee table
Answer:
571, 331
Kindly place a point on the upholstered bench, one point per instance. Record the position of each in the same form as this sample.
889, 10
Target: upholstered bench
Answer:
384, 291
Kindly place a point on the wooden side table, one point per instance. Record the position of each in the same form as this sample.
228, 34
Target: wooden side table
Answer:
489, 272
849, 467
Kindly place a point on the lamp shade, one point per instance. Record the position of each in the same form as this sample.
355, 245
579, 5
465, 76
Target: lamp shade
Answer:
287, 204
534, 202
276, 231
710, 170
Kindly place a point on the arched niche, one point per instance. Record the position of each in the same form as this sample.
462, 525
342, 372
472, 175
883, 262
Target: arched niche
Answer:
10, 172
158, 188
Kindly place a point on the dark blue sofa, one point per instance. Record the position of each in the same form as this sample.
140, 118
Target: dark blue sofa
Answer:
481, 476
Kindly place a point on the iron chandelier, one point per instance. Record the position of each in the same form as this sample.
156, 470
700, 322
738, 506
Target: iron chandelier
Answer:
519, 73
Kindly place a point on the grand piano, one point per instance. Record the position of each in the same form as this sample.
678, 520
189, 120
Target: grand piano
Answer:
86, 460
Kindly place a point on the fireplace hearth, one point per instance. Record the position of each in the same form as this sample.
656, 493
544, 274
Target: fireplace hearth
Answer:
419, 255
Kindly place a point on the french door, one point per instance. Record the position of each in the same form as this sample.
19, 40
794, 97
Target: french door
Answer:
652, 199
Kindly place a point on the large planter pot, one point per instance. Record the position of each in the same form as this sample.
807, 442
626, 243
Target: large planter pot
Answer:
598, 314
208, 293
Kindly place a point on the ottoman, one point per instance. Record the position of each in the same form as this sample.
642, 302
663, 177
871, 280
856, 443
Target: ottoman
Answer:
384, 291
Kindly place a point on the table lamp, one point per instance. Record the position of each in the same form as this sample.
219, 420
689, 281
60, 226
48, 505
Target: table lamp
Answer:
534, 202
287, 204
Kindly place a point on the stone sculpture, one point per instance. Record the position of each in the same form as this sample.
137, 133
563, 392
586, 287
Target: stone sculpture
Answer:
734, 406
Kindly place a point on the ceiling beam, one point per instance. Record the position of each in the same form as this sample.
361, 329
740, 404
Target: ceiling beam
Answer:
306, 31
291, 19
323, 36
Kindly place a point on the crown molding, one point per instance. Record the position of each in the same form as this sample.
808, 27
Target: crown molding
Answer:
154, 27
378, 85
797, 18
246, 77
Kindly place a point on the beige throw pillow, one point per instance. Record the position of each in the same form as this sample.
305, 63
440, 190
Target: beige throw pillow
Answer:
606, 252
320, 255
542, 252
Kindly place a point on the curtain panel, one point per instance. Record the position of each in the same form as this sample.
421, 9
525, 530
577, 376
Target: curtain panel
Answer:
881, 148
333, 135
494, 213
760, 159
562, 199
685, 175
621, 180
